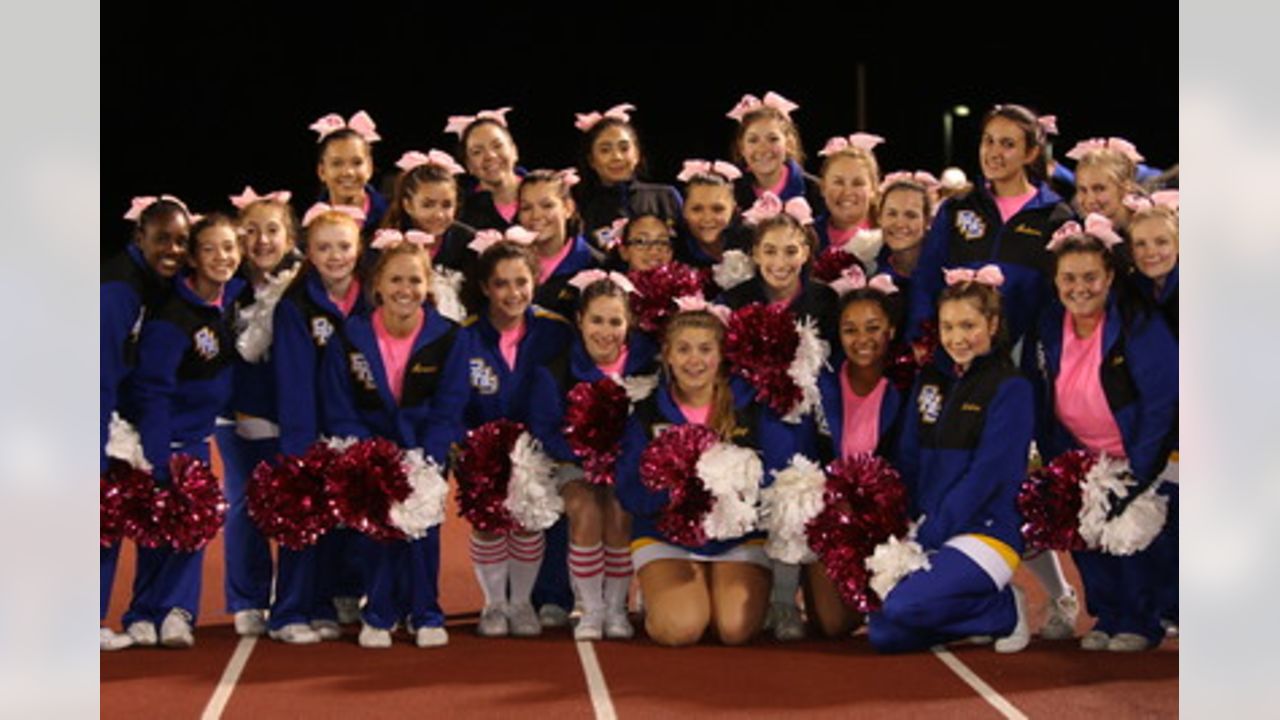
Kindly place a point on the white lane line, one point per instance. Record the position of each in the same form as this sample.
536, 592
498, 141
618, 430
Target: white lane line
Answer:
600, 699
235, 666
988, 693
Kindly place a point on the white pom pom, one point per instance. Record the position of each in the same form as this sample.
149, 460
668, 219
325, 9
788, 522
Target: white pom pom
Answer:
1137, 527
254, 322
424, 508
865, 245
340, 444
639, 387
811, 356
124, 443
893, 560
532, 498
1106, 476
732, 475
446, 289
795, 498
733, 269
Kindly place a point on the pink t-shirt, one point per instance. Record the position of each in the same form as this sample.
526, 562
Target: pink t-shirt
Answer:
838, 238
786, 301
348, 301
547, 266
861, 422
1009, 206
695, 415
777, 187
509, 343
216, 302
1081, 402
507, 210
395, 351
615, 367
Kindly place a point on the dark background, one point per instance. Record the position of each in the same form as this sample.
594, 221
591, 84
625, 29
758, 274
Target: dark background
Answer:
199, 102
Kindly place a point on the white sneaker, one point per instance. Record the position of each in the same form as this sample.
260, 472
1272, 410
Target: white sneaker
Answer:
1017, 640
1170, 628
143, 633
175, 631
109, 640
431, 637
784, 619
1063, 611
251, 623
372, 637
327, 629
1095, 640
553, 616
295, 634
523, 621
617, 626
1127, 642
493, 621
590, 626
348, 610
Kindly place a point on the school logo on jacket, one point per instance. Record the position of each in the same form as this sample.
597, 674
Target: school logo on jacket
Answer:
206, 343
361, 371
930, 404
970, 225
483, 378
321, 330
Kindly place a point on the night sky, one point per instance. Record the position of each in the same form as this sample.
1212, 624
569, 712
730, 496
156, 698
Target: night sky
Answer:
198, 104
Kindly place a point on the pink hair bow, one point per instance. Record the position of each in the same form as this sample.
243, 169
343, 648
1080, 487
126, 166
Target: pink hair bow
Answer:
1136, 202
568, 177
414, 159
613, 236
1049, 123
486, 239
853, 278
1166, 198
697, 303
922, 177
249, 197
138, 204
360, 123
1120, 145
1096, 225
587, 277
586, 121
321, 208
389, 237
458, 124
751, 103
986, 275
860, 140
728, 171
769, 205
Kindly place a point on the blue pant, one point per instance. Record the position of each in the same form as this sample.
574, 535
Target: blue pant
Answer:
552, 585
248, 555
403, 581
167, 579
955, 598
107, 558
1165, 552
1120, 592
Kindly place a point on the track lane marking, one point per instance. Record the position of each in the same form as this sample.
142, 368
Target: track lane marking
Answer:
988, 693
235, 666
596, 686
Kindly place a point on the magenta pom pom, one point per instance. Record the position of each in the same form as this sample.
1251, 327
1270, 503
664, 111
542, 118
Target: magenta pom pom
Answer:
363, 483
594, 422
656, 290
1050, 502
287, 500
670, 464
760, 345
125, 494
483, 471
193, 505
831, 263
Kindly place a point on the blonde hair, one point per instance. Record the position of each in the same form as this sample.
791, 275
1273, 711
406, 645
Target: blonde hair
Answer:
1115, 165
1168, 216
721, 418
384, 259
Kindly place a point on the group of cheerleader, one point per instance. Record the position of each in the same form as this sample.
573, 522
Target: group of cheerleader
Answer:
959, 335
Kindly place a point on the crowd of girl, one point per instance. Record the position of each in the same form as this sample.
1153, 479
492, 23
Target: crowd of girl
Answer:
479, 290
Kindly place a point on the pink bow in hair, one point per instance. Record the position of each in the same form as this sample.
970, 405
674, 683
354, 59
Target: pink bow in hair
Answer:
769, 205
321, 208
458, 124
568, 177
1049, 123
389, 237
414, 159
922, 177
486, 239
249, 197
728, 171
985, 275
613, 236
1166, 198
360, 123
1096, 225
1120, 145
751, 103
854, 279
859, 140
697, 303
138, 204
587, 277
586, 121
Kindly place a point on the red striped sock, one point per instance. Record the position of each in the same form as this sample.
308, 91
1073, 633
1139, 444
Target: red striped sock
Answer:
586, 573
489, 560
617, 577
526, 557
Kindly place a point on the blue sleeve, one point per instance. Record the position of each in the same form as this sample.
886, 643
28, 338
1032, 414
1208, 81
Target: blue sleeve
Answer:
155, 380
1153, 358
632, 494
297, 388
337, 398
780, 441
999, 460
926, 281
546, 416
444, 423
118, 308
907, 456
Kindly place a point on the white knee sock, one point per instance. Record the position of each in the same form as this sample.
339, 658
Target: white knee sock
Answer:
786, 580
617, 578
526, 557
1048, 571
489, 558
586, 571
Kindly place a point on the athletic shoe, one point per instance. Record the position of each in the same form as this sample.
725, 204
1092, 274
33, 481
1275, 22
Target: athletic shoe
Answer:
1063, 611
1170, 628
523, 621
109, 640
431, 637
1095, 640
372, 637
493, 621
553, 616
175, 631
348, 610
251, 622
143, 633
327, 629
1017, 640
784, 619
590, 626
296, 634
1127, 642
617, 626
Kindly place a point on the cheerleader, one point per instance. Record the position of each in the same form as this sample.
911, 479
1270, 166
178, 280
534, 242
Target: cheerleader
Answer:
641, 243
345, 165
509, 341
399, 373
182, 380
860, 414
547, 209
490, 154
711, 223
904, 214
767, 144
426, 198
962, 454
1106, 172
133, 282
850, 181
1110, 385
